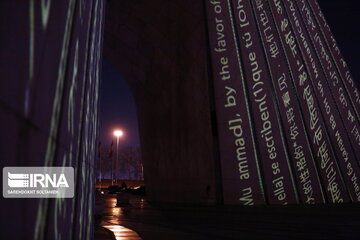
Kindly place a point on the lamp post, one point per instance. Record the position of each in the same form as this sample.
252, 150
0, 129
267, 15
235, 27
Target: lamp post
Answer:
117, 134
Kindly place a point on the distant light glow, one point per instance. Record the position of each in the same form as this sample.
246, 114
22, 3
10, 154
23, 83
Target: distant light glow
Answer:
118, 133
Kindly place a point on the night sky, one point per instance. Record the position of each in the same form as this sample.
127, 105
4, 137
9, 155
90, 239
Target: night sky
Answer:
117, 109
343, 17
117, 103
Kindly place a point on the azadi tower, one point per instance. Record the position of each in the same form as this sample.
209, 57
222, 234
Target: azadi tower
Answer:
239, 102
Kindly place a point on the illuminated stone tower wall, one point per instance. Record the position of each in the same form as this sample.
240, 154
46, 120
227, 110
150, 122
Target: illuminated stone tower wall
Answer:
50, 58
287, 107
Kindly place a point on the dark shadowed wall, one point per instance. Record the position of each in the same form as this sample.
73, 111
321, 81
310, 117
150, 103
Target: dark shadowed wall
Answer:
160, 48
50, 58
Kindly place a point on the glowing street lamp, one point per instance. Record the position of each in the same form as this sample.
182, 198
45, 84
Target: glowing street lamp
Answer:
117, 134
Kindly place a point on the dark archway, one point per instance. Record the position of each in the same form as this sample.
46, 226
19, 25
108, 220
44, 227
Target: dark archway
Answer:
161, 50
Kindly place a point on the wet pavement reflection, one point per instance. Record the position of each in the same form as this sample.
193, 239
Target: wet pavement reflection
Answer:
111, 218
123, 233
141, 220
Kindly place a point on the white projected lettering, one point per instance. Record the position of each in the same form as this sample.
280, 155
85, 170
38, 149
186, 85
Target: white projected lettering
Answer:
45, 12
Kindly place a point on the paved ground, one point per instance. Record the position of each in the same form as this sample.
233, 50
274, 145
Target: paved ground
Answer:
174, 222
